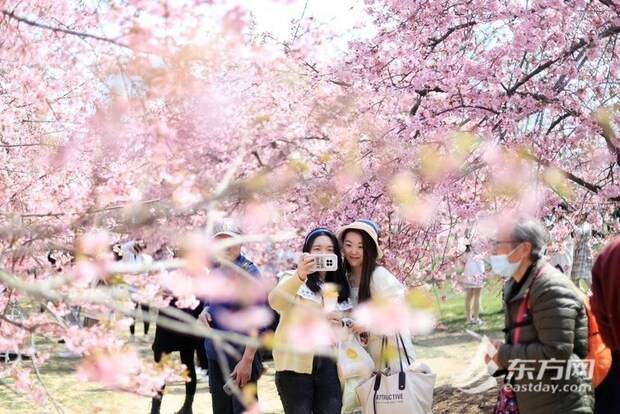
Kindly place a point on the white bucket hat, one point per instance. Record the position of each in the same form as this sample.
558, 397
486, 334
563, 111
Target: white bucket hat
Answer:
369, 227
226, 228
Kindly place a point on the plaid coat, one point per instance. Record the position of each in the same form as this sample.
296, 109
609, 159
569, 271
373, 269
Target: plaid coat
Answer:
582, 261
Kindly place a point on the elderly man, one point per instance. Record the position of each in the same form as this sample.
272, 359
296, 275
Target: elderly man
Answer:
606, 308
248, 368
546, 331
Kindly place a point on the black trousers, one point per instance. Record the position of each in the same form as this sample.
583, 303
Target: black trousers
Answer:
201, 354
315, 393
187, 358
221, 402
607, 394
145, 309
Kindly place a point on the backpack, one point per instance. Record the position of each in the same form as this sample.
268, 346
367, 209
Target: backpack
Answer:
598, 352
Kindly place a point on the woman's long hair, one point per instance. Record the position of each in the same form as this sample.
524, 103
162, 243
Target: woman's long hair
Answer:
338, 276
369, 263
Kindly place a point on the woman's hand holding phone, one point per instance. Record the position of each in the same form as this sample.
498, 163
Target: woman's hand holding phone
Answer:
304, 266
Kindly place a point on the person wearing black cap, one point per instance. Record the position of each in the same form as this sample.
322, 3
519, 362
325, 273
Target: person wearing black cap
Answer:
368, 280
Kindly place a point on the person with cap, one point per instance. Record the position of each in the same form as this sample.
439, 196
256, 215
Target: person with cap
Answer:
606, 308
308, 383
246, 369
369, 280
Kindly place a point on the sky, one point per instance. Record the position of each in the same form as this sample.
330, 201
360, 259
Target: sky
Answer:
279, 18
276, 17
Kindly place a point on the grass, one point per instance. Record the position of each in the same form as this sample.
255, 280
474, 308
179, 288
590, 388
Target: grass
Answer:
451, 309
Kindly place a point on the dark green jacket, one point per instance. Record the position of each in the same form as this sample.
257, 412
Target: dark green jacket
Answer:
554, 337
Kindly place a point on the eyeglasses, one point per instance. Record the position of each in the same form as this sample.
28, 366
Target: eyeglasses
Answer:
498, 242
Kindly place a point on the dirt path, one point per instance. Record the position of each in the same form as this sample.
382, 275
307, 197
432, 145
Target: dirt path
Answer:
448, 354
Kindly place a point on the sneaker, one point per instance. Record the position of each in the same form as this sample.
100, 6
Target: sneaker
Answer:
478, 321
68, 355
202, 375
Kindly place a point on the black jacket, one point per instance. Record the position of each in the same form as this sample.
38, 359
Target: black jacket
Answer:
167, 340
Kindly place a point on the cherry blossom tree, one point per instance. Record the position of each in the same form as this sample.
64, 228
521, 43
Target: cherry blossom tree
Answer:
146, 119
464, 108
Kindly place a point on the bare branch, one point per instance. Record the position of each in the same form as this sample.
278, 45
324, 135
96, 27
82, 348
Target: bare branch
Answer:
570, 176
26, 145
81, 35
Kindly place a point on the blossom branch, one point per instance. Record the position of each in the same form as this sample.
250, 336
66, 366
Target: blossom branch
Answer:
575, 47
434, 42
594, 188
55, 403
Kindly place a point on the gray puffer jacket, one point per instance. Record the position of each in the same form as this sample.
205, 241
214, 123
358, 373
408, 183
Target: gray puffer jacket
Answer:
552, 344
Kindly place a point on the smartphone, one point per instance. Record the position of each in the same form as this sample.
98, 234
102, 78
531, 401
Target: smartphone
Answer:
228, 386
325, 262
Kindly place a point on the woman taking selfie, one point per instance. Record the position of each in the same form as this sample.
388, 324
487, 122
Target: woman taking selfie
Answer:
307, 383
368, 280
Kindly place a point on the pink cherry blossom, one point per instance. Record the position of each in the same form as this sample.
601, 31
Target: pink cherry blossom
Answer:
86, 272
247, 320
110, 367
310, 332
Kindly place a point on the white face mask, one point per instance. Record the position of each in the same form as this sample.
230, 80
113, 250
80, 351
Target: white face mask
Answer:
502, 267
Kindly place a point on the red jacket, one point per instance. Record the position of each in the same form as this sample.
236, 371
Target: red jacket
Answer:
606, 294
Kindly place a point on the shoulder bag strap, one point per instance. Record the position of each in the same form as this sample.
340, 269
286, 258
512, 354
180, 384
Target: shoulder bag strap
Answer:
523, 308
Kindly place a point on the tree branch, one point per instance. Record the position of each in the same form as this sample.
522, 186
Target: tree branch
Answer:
25, 145
433, 42
484, 108
575, 47
421, 94
81, 35
557, 121
570, 176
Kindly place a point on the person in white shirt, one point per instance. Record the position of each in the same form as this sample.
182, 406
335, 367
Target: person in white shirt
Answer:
473, 282
563, 258
132, 252
368, 280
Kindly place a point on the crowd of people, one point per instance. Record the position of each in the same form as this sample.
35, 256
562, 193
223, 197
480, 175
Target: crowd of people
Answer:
556, 338
306, 383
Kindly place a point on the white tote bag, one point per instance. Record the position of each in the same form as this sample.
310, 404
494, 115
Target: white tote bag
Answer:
355, 366
350, 402
353, 359
409, 391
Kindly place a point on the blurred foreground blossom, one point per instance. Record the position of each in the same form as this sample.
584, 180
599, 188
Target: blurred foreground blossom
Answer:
388, 317
112, 367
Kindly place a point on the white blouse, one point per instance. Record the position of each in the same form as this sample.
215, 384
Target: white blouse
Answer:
385, 285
